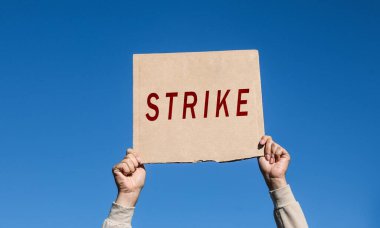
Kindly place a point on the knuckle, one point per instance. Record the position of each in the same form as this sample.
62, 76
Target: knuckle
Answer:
131, 157
125, 167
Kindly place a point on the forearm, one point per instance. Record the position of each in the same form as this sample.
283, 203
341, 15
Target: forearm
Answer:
275, 183
119, 217
287, 211
127, 199
122, 210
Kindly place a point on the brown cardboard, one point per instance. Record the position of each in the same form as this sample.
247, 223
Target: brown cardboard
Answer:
197, 136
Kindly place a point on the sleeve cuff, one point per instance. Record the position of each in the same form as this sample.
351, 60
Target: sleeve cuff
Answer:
121, 215
282, 197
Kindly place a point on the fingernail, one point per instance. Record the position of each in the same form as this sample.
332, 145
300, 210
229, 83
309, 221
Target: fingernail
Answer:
262, 142
267, 157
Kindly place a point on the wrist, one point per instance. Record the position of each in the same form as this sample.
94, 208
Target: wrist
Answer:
127, 199
276, 183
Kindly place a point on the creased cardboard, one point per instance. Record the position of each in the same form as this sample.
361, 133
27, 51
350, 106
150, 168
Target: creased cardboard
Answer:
197, 106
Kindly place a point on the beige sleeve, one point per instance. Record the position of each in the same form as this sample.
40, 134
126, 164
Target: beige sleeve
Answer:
119, 217
287, 211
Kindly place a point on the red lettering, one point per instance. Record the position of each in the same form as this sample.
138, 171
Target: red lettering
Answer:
241, 102
152, 106
206, 104
171, 96
190, 101
221, 103
189, 105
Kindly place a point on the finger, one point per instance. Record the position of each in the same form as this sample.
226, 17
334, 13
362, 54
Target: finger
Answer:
138, 158
262, 142
116, 170
278, 153
123, 167
267, 152
129, 151
271, 161
273, 148
264, 139
130, 164
285, 154
132, 157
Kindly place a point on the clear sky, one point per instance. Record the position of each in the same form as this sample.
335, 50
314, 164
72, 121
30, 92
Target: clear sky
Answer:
66, 110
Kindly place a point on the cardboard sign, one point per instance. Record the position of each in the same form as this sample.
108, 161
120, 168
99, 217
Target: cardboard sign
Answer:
197, 106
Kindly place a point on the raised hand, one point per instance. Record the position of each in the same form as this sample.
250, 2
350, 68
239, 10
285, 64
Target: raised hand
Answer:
129, 177
274, 164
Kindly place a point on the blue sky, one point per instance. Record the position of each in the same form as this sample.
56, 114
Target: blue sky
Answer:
66, 110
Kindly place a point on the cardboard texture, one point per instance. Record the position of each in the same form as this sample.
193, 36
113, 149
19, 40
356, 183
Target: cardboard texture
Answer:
197, 106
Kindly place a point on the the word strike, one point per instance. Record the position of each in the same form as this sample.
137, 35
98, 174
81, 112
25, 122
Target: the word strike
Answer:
190, 101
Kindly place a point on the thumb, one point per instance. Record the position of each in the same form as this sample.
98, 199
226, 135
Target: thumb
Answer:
117, 173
